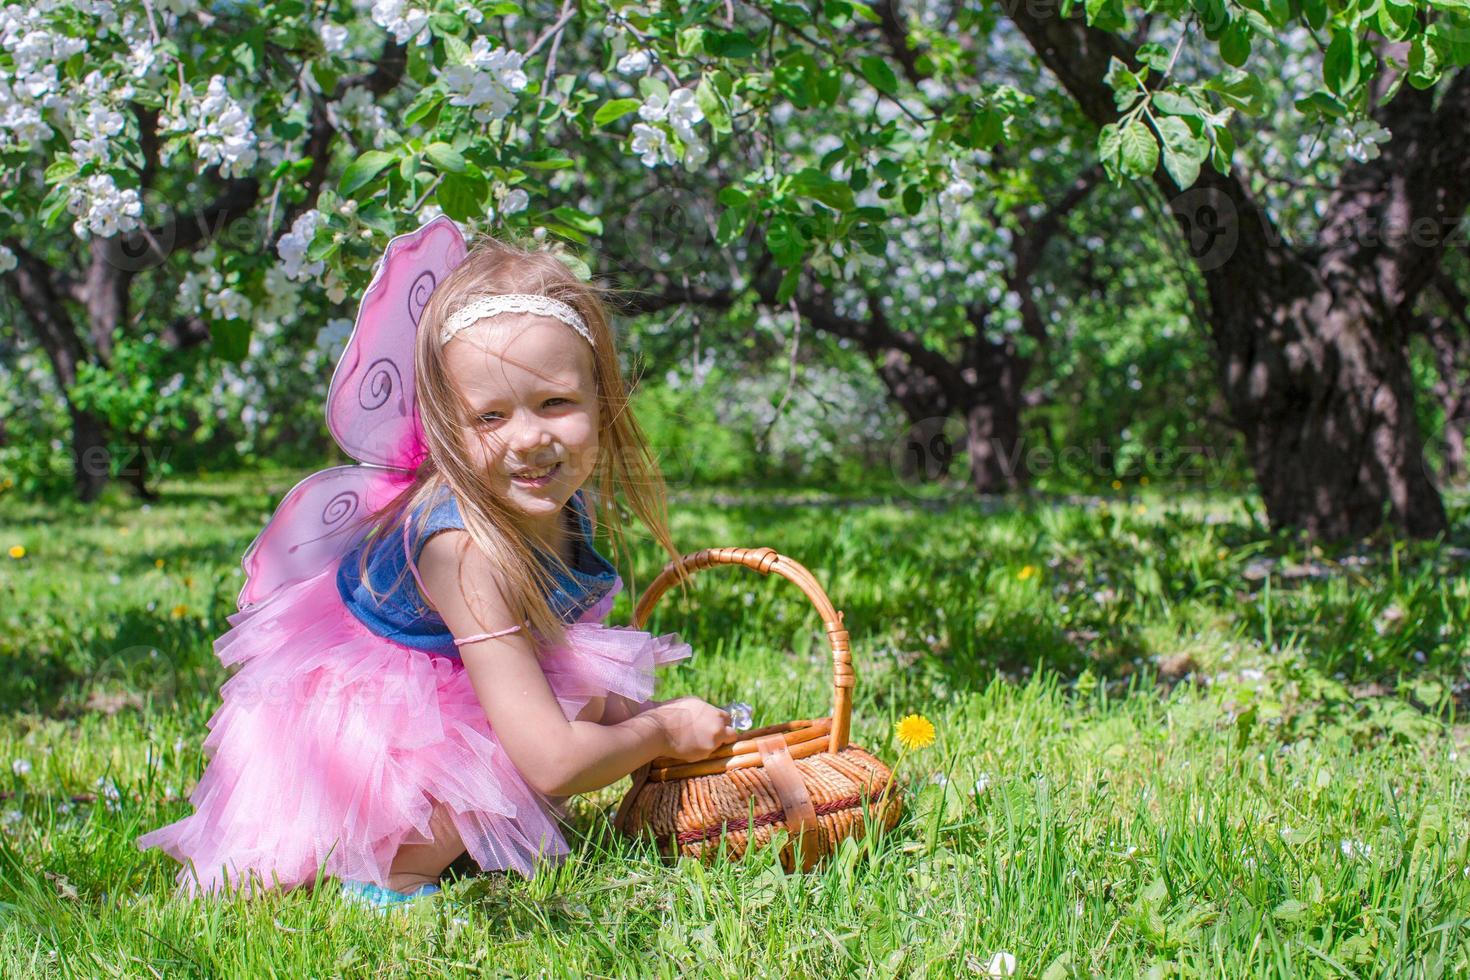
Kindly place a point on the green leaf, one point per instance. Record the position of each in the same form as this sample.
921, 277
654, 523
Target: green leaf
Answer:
462, 196
794, 14
728, 44
446, 158
231, 339
649, 86
713, 107
361, 171
442, 23
1424, 64
1222, 151
913, 199
732, 197
1395, 20
1291, 910
427, 101
784, 241
732, 224
1340, 65
1105, 15
1138, 150
54, 205
879, 74
1173, 103
1235, 44
1125, 84
581, 220
62, 168
1155, 55
1315, 13
547, 158
789, 282
1184, 152
1240, 90
1109, 148
1323, 104
816, 185
616, 109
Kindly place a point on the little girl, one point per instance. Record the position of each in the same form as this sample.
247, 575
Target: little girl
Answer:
445, 685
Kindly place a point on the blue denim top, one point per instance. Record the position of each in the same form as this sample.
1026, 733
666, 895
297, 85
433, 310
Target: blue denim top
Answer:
402, 615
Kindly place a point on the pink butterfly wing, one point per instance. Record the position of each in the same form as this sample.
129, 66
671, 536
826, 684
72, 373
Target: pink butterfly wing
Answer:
372, 413
371, 406
317, 522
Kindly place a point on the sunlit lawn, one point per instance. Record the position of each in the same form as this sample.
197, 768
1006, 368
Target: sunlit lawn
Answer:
1167, 741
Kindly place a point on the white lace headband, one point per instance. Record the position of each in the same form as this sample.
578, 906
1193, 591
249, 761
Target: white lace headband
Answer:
478, 309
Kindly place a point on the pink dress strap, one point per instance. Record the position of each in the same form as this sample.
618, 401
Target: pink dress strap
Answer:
460, 641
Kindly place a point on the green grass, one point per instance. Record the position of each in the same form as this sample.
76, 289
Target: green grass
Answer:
1169, 743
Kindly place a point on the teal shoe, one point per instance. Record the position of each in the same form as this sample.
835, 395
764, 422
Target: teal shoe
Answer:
380, 898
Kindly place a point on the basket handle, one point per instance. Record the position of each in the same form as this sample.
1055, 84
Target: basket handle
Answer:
766, 561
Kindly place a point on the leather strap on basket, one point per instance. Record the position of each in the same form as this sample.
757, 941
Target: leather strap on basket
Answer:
801, 816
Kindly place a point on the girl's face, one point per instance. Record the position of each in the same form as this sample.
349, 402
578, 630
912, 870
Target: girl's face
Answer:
532, 393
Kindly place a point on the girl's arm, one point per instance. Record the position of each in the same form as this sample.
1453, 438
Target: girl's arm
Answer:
556, 756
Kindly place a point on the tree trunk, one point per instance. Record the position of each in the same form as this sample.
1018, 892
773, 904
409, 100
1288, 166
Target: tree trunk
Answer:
90, 453
1321, 389
995, 374
1310, 341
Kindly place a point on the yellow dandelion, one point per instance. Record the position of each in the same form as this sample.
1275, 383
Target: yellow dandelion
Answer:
179, 611
17, 551
1117, 484
914, 732
7, 483
1143, 481
1140, 510
1222, 554
158, 563
124, 530
1026, 572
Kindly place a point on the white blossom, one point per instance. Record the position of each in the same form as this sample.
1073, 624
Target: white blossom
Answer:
404, 22
103, 209
293, 245
20, 766
488, 82
1359, 141
331, 338
7, 260
1001, 964
517, 200
696, 152
680, 110
634, 63
217, 125
357, 112
227, 304
652, 144
334, 38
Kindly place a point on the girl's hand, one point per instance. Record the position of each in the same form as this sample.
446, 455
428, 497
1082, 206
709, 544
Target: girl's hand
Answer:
694, 727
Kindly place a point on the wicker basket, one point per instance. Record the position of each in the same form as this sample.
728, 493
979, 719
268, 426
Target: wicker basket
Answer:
802, 775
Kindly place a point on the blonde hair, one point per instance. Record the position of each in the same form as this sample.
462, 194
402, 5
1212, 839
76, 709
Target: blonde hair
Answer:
625, 461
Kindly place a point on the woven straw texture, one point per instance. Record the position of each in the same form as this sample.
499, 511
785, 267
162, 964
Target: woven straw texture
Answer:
687, 816
802, 776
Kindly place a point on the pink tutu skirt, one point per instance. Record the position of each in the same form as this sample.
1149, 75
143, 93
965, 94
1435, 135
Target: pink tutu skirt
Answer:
333, 744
